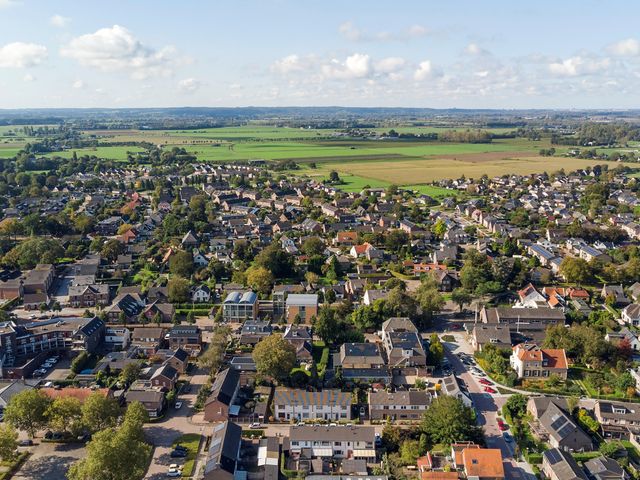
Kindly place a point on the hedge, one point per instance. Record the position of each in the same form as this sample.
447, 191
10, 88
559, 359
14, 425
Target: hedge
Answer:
194, 306
196, 312
284, 471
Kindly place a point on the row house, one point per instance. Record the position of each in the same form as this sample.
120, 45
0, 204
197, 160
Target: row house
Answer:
350, 442
409, 405
301, 405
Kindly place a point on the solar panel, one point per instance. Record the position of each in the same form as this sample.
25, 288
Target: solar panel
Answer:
553, 456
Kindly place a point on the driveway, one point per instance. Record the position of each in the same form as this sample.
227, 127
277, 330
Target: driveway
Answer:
50, 461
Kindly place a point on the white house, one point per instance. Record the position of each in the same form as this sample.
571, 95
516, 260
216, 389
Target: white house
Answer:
201, 294
117, 338
631, 314
199, 259
289, 403
340, 441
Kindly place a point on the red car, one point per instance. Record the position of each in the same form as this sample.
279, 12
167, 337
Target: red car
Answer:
484, 381
489, 390
502, 426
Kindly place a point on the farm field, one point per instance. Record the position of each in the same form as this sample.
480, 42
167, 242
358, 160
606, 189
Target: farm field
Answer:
422, 171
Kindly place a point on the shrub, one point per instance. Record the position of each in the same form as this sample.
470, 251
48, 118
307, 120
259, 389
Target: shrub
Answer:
79, 362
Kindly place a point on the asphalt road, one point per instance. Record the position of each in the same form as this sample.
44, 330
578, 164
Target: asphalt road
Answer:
487, 407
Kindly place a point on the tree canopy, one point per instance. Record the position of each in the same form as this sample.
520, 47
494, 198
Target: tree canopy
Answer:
274, 357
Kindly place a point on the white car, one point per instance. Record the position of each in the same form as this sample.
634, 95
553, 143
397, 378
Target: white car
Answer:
178, 405
255, 425
174, 472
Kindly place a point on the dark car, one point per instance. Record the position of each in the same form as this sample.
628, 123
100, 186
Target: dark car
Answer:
25, 443
180, 447
178, 454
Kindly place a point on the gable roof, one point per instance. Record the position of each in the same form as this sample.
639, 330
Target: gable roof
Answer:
224, 386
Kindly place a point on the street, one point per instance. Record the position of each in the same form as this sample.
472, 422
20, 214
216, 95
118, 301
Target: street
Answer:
487, 407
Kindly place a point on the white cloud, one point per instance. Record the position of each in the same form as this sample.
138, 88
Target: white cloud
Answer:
351, 32
575, 66
7, 3
21, 55
116, 49
288, 64
626, 48
28, 78
355, 66
189, 85
59, 21
390, 64
424, 71
475, 49
78, 84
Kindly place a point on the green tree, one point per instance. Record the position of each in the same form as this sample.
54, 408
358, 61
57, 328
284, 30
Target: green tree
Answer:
313, 246
65, 415
274, 357
28, 253
178, 289
436, 350
276, 260
27, 410
8, 442
211, 358
99, 412
111, 249
448, 420
430, 299
130, 373
461, 297
181, 263
575, 270
516, 406
260, 279
326, 325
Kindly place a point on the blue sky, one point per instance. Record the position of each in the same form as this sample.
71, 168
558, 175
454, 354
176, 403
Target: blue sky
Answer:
465, 54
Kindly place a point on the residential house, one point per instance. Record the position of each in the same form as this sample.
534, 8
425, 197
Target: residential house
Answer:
340, 441
403, 343
147, 339
491, 334
239, 307
224, 390
480, 463
400, 405
450, 386
300, 337
255, 330
302, 306
558, 464
362, 362
603, 468
223, 454
531, 361
563, 432
86, 296
152, 400
301, 405
631, 314
617, 419
616, 294
187, 338
165, 378
201, 294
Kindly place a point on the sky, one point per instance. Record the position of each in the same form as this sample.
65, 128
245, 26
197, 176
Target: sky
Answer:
567, 54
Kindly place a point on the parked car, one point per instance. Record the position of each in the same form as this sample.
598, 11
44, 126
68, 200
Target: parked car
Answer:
490, 390
178, 454
501, 425
255, 425
508, 438
484, 381
178, 405
25, 443
180, 447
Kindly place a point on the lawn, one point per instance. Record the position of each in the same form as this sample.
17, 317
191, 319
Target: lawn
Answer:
111, 153
192, 442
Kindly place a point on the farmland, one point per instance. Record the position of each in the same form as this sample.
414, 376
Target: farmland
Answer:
360, 162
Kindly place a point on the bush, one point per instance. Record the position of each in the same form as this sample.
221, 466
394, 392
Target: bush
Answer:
79, 362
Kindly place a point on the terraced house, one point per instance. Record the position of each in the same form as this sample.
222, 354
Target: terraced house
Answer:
338, 441
409, 405
301, 405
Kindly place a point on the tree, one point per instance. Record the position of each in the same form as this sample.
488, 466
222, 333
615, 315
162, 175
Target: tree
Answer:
114, 454
99, 412
27, 410
327, 326
334, 177
181, 263
178, 289
8, 442
111, 249
313, 246
461, 297
436, 350
274, 357
429, 299
130, 373
516, 406
65, 415
29, 253
448, 420
276, 260
575, 270
399, 304
211, 358
409, 452
260, 279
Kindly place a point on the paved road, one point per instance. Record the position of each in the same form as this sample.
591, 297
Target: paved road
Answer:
487, 407
175, 424
50, 461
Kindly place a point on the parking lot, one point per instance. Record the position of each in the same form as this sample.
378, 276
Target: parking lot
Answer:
50, 461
